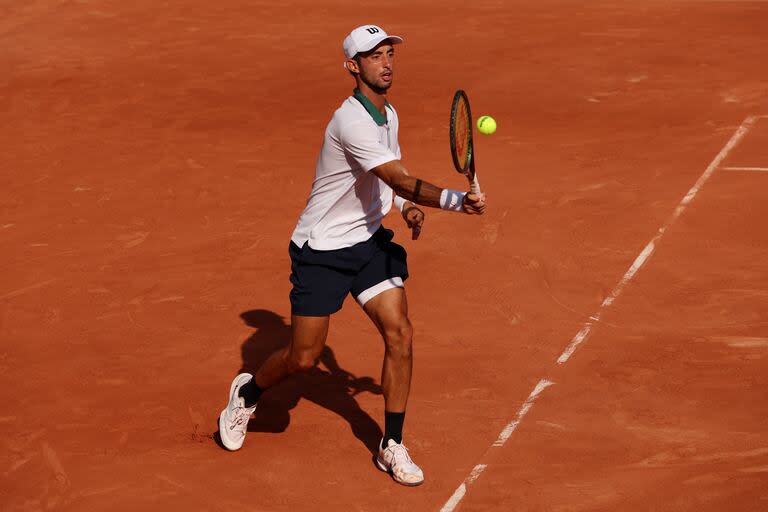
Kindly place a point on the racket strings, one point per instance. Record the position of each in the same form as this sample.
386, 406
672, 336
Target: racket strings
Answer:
462, 133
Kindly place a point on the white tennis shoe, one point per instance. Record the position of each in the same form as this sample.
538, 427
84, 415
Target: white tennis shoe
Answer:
233, 420
394, 459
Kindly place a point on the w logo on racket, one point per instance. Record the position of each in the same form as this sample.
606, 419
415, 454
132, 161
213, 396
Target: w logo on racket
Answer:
372, 30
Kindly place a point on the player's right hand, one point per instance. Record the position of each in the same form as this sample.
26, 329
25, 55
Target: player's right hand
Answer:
414, 218
474, 204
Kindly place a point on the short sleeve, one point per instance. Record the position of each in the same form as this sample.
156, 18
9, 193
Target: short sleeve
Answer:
361, 142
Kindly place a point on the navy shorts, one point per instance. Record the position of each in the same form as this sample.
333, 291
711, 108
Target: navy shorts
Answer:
322, 279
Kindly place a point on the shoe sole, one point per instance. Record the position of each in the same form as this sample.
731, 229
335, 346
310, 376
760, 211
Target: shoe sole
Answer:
380, 465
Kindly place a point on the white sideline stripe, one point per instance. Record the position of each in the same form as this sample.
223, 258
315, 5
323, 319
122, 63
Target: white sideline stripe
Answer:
756, 169
541, 386
455, 499
461, 490
459, 493
651, 246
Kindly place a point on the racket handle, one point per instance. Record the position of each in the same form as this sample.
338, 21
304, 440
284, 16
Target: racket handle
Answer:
474, 185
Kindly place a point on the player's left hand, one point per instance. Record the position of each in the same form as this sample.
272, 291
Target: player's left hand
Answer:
414, 217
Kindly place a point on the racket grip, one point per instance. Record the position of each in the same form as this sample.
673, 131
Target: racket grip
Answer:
474, 185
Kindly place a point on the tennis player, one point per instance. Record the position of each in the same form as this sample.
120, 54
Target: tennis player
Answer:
340, 246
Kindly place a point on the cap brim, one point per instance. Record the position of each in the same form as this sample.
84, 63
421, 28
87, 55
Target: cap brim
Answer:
377, 42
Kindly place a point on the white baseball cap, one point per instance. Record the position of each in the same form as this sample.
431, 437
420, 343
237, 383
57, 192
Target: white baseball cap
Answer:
365, 38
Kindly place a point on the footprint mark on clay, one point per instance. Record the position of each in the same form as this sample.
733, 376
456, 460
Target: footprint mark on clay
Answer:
60, 486
133, 239
491, 229
53, 461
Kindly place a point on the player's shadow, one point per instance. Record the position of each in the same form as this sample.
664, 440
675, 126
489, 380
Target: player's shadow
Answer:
327, 384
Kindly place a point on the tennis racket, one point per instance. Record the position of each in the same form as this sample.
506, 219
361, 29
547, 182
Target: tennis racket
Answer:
462, 148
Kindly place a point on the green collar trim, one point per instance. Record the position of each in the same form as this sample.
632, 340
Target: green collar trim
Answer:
377, 116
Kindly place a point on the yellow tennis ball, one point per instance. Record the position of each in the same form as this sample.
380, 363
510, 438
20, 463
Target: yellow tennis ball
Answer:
486, 125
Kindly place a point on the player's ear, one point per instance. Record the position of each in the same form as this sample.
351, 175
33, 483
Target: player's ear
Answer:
352, 66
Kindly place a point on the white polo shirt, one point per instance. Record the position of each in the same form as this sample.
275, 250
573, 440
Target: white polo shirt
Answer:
347, 202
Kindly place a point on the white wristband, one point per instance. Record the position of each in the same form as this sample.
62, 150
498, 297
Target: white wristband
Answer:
399, 203
452, 200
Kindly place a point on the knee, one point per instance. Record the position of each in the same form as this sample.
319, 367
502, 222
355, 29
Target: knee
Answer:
399, 340
301, 361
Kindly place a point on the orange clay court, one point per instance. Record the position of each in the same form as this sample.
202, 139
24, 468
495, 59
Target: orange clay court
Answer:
597, 341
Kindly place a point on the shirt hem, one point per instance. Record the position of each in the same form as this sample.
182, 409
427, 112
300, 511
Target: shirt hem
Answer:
313, 244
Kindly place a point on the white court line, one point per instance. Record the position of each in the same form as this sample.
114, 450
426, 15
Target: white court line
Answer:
651, 246
461, 490
756, 169
458, 495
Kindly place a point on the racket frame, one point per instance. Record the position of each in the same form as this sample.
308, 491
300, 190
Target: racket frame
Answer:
468, 169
